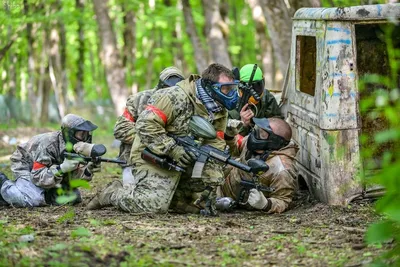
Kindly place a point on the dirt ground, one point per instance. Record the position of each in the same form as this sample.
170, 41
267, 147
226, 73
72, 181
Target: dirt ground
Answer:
310, 234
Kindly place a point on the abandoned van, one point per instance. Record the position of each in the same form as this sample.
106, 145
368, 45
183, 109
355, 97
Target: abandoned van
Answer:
332, 48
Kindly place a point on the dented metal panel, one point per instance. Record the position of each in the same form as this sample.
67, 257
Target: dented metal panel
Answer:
340, 160
339, 94
366, 12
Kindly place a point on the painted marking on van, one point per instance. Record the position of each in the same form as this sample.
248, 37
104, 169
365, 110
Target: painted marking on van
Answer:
379, 9
330, 115
339, 30
337, 94
332, 58
330, 90
339, 74
339, 41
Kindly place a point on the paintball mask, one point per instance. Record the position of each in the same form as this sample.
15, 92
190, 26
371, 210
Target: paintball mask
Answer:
170, 77
76, 129
256, 143
251, 84
225, 93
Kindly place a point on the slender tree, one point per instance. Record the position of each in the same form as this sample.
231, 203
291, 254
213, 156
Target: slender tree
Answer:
31, 63
264, 43
200, 54
129, 34
115, 73
215, 30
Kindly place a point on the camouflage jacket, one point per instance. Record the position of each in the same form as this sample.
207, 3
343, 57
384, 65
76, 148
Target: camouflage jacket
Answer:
38, 159
169, 111
281, 176
124, 129
266, 108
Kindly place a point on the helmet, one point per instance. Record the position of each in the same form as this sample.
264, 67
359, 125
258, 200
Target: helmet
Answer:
76, 129
169, 77
256, 84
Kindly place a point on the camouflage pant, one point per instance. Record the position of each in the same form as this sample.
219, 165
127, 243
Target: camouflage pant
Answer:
154, 188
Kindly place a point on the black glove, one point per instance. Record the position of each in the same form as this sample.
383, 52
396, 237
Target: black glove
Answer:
182, 157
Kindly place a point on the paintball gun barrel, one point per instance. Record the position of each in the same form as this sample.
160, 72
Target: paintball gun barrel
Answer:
97, 151
93, 159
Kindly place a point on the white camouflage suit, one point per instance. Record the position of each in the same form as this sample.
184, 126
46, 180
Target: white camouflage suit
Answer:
35, 166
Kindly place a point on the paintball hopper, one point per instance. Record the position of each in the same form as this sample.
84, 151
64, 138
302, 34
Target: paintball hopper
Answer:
90, 150
200, 127
98, 150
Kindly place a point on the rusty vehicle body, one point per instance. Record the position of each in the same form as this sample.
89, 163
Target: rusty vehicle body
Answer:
332, 48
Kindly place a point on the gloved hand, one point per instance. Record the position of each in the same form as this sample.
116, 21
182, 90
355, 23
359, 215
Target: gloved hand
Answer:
69, 165
93, 167
257, 199
83, 148
182, 157
233, 127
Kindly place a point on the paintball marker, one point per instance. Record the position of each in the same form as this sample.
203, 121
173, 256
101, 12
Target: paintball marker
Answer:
258, 167
95, 156
205, 153
247, 91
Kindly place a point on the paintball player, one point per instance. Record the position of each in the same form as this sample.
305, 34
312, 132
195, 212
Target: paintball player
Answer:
170, 111
39, 166
261, 105
124, 129
269, 141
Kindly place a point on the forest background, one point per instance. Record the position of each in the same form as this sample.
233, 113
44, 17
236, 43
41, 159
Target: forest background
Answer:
58, 57
86, 57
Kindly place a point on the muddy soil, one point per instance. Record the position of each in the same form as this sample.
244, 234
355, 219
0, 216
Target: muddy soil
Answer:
310, 234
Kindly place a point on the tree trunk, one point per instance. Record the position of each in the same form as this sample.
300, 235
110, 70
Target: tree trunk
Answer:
179, 58
79, 92
44, 84
129, 58
115, 73
279, 21
200, 54
149, 61
31, 65
55, 68
215, 30
63, 58
264, 43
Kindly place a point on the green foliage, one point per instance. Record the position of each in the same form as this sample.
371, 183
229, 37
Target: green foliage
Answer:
80, 232
384, 102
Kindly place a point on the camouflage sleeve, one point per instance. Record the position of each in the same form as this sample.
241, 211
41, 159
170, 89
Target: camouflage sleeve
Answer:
270, 106
152, 122
235, 145
284, 184
124, 130
43, 171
